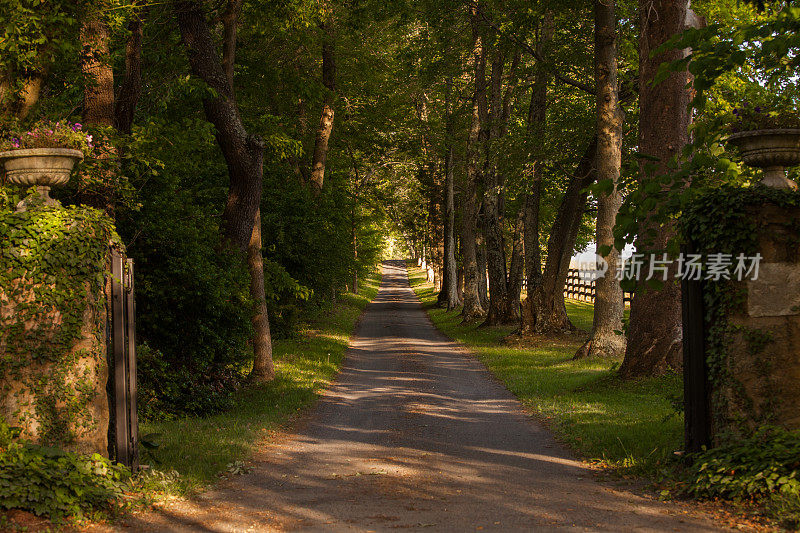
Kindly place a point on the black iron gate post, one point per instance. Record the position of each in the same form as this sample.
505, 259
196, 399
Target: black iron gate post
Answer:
123, 327
697, 430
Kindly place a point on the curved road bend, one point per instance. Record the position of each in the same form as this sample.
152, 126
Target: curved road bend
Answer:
416, 436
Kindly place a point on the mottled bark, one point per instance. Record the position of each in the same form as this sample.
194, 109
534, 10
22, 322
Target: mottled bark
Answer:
243, 154
326, 119
263, 367
472, 301
654, 333
98, 74
131, 88
98, 106
544, 311
606, 339
536, 129
532, 248
492, 201
448, 297
354, 239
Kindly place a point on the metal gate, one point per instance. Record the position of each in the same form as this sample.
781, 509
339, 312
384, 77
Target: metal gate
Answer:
123, 349
697, 420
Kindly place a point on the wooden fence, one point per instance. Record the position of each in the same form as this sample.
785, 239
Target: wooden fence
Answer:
578, 288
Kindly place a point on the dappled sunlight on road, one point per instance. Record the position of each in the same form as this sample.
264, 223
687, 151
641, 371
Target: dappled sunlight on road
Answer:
416, 434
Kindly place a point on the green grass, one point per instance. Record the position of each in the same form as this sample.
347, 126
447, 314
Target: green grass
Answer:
198, 449
626, 424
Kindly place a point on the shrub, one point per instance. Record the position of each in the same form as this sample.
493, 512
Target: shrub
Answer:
55, 483
767, 463
165, 393
192, 297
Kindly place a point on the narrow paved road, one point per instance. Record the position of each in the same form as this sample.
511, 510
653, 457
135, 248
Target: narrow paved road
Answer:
416, 435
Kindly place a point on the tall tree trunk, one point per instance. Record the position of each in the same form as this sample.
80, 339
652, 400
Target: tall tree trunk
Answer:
354, 238
608, 302
263, 367
448, 297
436, 219
326, 119
472, 302
501, 311
230, 30
492, 202
98, 102
243, 154
544, 311
98, 75
654, 332
533, 251
131, 87
536, 131
473, 308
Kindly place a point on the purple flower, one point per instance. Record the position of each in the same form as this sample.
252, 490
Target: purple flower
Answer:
758, 109
76, 127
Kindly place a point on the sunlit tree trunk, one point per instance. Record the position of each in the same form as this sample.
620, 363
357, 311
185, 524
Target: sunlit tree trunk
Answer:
606, 339
472, 301
98, 103
263, 366
98, 75
544, 311
654, 332
492, 202
354, 238
501, 310
326, 119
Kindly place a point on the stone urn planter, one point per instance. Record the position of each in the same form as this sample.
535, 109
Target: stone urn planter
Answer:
39, 167
772, 150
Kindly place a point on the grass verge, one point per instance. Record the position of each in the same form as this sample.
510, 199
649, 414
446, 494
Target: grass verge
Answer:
630, 425
193, 451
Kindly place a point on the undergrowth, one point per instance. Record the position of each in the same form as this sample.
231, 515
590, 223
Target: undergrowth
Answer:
192, 452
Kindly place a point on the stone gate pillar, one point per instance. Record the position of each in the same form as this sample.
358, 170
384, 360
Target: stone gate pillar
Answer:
53, 365
758, 379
